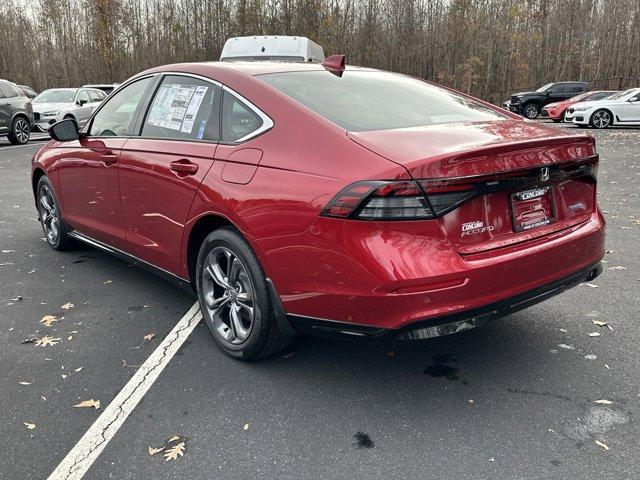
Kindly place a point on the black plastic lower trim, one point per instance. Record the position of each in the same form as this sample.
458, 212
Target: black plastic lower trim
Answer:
445, 325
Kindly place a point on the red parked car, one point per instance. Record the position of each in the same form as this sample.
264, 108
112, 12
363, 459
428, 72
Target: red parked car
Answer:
323, 199
555, 111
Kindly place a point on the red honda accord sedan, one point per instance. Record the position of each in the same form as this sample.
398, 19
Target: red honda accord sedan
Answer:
317, 198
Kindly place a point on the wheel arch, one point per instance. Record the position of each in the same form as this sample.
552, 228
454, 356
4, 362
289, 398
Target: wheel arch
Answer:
20, 114
37, 174
606, 109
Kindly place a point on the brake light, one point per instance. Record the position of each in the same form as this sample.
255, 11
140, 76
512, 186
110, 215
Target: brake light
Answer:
381, 200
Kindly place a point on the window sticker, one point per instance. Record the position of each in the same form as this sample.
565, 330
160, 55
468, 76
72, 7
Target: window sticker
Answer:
193, 108
203, 125
176, 106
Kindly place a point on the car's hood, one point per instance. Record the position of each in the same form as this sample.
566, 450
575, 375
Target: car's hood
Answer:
592, 103
558, 104
474, 148
46, 106
520, 94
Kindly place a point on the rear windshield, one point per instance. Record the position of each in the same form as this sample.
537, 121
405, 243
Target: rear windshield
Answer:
364, 101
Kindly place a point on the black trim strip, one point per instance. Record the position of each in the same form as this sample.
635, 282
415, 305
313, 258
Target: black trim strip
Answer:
164, 274
434, 327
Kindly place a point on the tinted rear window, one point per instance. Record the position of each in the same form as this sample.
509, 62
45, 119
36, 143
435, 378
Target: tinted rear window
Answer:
363, 101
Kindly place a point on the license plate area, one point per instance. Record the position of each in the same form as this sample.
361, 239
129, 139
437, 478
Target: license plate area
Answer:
532, 208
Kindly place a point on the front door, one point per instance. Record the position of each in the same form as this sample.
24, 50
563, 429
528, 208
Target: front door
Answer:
162, 169
631, 110
88, 170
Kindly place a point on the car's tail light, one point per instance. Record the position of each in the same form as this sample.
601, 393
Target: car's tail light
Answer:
431, 198
380, 200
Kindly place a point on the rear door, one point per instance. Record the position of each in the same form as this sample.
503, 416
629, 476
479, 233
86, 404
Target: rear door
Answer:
5, 111
9, 103
161, 168
88, 168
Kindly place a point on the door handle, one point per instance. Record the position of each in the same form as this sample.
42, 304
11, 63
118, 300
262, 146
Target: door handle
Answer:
184, 166
108, 158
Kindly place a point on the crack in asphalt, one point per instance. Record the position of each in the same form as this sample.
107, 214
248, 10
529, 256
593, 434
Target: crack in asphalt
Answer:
195, 317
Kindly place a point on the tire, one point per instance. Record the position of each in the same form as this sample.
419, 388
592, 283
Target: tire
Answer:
601, 119
239, 313
55, 230
530, 111
20, 131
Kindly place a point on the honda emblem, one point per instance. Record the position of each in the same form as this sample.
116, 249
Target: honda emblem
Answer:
544, 174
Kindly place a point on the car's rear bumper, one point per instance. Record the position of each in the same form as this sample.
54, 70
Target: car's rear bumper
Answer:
448, 324
362, 274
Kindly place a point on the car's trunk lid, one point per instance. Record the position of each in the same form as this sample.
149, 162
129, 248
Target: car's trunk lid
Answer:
522, 181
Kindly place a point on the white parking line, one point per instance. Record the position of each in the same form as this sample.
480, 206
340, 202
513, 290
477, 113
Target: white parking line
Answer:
87, 450
2, 149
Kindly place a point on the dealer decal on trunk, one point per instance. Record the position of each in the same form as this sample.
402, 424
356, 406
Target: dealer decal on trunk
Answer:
473, 228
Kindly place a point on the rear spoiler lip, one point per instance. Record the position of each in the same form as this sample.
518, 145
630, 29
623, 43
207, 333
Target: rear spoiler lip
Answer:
479, 153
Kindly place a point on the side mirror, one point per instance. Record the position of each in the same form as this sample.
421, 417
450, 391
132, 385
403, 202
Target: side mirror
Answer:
64, 130
81, 102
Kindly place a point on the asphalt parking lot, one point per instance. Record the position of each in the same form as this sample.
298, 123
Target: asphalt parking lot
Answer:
517, 399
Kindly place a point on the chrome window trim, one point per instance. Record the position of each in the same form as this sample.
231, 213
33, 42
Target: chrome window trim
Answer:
267, 122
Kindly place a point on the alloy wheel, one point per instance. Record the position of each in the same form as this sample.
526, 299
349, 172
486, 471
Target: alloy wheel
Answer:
21, 130
228, 295
601, 119
531, 111
49, 214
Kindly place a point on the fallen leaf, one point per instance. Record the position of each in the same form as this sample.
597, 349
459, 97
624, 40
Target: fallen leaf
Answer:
246, 426
78, 369
48, 320
610, 327
45, 341
594, 334
174, 438
24, 383
618, 267
153, 450
606, 366
107, 282
30, 426
604, 402
64, 376
604, 446
88, 404
150, 336
67, 306
591, 285
566, 347
173, 452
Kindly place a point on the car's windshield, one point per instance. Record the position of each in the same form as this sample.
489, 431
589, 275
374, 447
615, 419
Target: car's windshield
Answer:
371, 100
621, 94
545, 87
66, 95
582, 96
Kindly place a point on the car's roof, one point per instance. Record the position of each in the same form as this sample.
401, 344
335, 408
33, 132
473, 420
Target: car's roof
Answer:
249, 68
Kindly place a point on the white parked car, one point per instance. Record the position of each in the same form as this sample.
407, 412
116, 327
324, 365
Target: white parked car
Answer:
56, 104
620, 109
272, 47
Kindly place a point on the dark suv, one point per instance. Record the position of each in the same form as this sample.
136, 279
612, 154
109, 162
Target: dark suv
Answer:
16, 114
529, 104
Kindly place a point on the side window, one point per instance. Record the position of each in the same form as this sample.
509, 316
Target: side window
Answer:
238, 120
184, 108
83, 97
2, 95
8, 91
94, 96
576, 88
559, 89
116, 116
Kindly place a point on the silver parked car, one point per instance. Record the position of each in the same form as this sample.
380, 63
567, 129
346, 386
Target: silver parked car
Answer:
57, 104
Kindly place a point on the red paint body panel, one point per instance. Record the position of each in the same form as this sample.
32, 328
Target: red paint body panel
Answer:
273, 188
